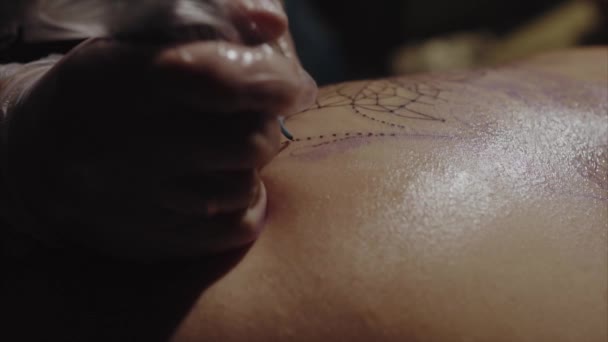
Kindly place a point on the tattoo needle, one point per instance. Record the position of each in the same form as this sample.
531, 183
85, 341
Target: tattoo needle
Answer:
284, 129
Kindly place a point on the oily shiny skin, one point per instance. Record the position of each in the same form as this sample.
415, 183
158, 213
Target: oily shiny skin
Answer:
481, 215
487, 222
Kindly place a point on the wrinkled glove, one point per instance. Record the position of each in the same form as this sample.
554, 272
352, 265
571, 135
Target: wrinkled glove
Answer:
150, 151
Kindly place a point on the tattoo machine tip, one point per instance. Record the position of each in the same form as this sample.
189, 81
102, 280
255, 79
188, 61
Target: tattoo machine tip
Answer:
284, 129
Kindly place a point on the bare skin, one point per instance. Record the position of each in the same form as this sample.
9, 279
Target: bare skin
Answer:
456, 207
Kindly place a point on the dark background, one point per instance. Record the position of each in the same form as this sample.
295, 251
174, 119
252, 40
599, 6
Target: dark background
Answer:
352, 39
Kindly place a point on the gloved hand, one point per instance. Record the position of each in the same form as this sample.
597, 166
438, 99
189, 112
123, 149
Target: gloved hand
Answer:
151, 151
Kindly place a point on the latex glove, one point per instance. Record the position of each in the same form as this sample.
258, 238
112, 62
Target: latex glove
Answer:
152, 151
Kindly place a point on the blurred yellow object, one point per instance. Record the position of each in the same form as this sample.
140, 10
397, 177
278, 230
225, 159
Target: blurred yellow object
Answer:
456, 51
559, 28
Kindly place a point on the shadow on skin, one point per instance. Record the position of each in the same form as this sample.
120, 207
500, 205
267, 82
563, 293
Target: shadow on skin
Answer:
71, 297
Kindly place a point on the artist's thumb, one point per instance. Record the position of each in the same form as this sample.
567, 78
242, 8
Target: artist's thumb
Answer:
258, 21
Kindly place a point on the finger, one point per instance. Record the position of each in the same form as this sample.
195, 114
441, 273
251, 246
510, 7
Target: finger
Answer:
143, 232
210, 194
225, 77
196, 142
265, 21
309, 89
259, 21
211, 76
106, 189
219, 233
